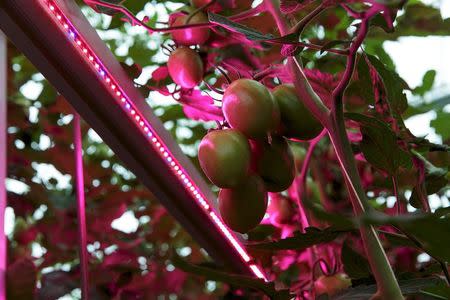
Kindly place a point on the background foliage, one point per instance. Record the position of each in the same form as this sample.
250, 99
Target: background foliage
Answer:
132, 261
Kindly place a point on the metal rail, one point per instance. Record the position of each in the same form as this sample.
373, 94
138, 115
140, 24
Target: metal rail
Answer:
60, 42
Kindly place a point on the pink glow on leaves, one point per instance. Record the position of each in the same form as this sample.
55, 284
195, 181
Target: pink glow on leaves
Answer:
199, 106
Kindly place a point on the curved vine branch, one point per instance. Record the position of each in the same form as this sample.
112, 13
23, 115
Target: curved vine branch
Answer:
135, 21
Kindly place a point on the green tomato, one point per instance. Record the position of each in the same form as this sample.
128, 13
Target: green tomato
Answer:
242, 208
194, 35
331, 285
185, 67
274, 163
296, 119
224, 157
249, 107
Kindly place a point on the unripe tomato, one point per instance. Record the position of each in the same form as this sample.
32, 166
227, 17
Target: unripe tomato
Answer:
191, 36
331, 285
185, 67
249, 107
274, 163
298, 122
224, 157
280, 209
243, 207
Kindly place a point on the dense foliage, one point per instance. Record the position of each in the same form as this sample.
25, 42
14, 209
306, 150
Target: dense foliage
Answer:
309, 242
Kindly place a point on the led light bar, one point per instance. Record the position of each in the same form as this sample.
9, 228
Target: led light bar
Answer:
153, 138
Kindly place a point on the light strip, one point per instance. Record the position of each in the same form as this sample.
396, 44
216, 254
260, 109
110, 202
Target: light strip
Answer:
156, 142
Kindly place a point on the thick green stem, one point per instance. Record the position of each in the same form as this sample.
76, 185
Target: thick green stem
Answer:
388, 287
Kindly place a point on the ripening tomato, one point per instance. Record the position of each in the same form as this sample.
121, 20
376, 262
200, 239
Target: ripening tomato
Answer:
243, 207
331, 285
224, 157
296, 119
249, 107
194, 35
280, 208
185, 67
274, 163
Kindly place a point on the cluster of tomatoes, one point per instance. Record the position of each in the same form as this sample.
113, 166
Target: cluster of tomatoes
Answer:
249, 155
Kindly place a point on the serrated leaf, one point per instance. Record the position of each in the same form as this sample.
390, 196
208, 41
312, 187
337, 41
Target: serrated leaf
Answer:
433, 179
436, 105
313, 236
439, 291
427, 83
238, 280
408, 287
441, 124
393, 84
362, 86
333, 44
379, 144
250, 33
355, 265
429, 229
261, 232
133, 71
397, 240
380, 21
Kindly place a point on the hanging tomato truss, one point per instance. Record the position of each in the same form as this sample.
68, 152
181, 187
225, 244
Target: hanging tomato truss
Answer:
60, 42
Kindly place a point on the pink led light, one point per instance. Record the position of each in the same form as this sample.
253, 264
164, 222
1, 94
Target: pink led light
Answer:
156, 142
256, 270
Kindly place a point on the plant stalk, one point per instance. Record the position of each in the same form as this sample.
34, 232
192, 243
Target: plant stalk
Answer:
388, 287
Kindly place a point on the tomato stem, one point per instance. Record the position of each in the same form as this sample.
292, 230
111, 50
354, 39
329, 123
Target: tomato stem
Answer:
333, 121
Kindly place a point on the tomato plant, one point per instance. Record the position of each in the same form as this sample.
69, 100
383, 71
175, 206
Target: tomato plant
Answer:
297, 114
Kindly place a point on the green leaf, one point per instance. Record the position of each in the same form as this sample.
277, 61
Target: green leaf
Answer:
355, 265
312, 236
267, 288
397, 240
380, 21
427, 83
261, 232
333, 44
339, 221
379, 144
441, 124
250, 33
135, 6
409, 287
429, 229
434, 179
362, 85
439, 291
133, 71
393, 84
435, 105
